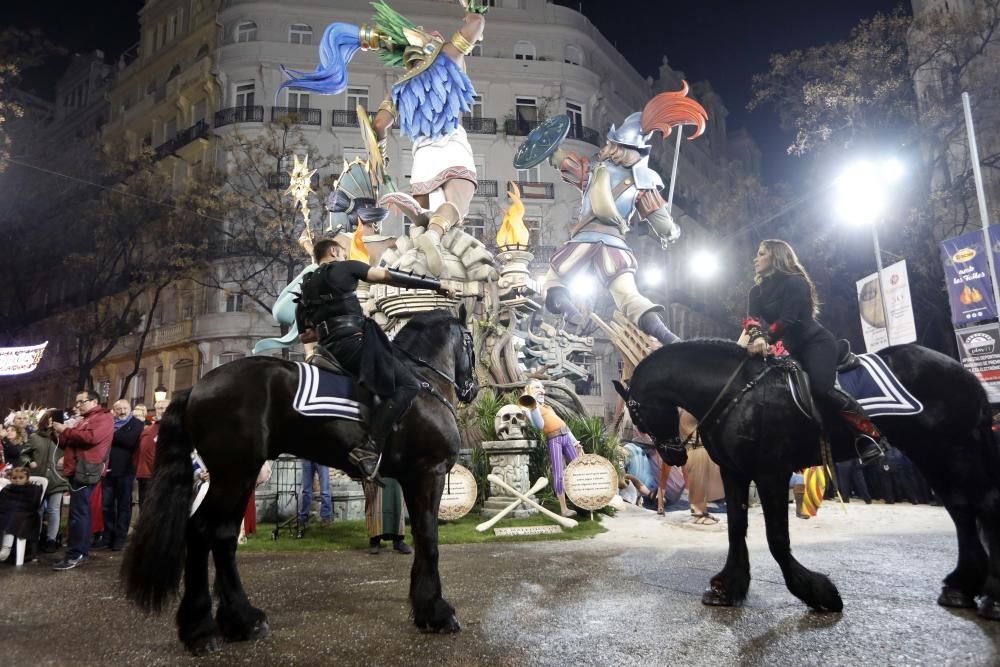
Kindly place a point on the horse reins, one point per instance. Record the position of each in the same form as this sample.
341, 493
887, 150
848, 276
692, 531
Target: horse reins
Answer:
431, 389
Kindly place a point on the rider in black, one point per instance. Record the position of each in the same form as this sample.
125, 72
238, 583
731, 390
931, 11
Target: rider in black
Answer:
329, 311
786, 298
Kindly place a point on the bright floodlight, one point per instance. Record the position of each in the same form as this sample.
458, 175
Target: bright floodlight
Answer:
892, 171
652, 276
860, 194
704, 264
582, 286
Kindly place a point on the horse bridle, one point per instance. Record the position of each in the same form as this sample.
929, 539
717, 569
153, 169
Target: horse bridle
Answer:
675, 443
466, 391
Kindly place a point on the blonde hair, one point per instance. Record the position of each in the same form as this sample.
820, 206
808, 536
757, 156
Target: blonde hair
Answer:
784, 260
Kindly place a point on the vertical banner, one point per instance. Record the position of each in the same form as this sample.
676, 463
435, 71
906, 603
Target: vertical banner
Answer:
979, 351
967, 276
897, 287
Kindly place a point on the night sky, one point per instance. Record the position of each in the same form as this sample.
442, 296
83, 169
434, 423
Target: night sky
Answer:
724, 41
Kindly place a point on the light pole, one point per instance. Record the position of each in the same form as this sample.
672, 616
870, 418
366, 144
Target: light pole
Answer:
862, 192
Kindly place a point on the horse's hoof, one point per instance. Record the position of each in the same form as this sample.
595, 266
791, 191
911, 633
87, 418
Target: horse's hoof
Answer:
450, 626
205, 645
260, 630
989, 608
716, 597
953, 597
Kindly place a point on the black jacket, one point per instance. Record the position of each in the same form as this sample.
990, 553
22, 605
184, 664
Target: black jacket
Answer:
123, 447
784, 301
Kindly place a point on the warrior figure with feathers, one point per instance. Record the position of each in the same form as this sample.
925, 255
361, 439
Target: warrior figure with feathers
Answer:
619, 187
426, 103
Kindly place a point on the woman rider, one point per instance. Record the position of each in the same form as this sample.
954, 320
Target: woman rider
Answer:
785, 297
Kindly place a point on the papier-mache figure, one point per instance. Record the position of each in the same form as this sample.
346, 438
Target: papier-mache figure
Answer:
426, 102
563, 445
618, 188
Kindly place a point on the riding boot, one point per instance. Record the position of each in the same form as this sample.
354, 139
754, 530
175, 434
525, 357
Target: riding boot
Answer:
385, 416
869, 442
558, 302
650, 323
799, 491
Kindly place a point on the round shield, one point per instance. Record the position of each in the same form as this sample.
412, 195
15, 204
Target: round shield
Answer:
542, 142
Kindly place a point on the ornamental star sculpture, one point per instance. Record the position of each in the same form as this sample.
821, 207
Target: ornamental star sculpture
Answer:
299, 187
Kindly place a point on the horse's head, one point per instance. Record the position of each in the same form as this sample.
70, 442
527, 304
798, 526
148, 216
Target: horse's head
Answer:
659, 420
466, 382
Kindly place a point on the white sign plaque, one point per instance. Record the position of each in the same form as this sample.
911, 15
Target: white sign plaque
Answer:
459, 495
591, 481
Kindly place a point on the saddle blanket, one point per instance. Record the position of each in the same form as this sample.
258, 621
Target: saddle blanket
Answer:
324, 394
876, 388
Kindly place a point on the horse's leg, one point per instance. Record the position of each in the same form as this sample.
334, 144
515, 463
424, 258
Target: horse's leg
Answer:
195, 625
237, 618
729, 587
423, 496
815, 589
966, 581
989, 521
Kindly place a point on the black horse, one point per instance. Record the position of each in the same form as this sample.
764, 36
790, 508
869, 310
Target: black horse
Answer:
763, 437
240, 415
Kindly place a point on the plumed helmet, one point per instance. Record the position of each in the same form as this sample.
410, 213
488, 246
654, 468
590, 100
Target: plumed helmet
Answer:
630, 133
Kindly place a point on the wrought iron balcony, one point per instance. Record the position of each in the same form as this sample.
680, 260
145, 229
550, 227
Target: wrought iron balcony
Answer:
487, 188
345, 118
199, 130
516, 127
232, 115
298, 115
536, 190
474, 125
587, 134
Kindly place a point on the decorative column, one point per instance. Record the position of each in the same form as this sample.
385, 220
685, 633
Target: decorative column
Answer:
509, 461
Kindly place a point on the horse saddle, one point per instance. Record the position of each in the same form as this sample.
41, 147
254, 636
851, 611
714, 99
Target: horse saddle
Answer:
326, 390
866, 377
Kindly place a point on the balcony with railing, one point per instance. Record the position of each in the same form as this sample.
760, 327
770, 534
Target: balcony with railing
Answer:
281, 180
516, 127
486, 188
586, 134
254, 114
199, 130
345, 118
477, 125
536, 190
298, 115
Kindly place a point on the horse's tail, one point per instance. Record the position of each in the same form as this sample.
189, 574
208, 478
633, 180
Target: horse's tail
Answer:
154, 560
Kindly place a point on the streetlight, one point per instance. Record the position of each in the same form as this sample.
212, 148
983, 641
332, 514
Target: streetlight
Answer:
582, 285
704, 264
652, 276
862, 196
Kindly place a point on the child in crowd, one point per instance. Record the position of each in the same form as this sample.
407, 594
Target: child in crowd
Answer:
19, 503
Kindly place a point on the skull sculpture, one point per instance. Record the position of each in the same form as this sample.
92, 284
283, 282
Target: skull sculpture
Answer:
510, 422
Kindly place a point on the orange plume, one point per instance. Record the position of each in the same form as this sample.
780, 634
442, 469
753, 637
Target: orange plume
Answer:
667, 110
513, 231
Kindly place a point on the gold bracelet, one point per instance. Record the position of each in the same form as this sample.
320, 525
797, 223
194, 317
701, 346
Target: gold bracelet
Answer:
387, 105
370, 38
463, 45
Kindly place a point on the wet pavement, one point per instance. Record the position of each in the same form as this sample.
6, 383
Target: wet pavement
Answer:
630, 595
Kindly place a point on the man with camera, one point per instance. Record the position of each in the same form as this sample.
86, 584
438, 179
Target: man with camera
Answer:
87, 444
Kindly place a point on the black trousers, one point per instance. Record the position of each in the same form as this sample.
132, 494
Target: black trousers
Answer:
117, 506
348, 352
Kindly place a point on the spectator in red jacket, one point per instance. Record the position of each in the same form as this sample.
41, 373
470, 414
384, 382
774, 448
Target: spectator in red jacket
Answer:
87, 444
146, 456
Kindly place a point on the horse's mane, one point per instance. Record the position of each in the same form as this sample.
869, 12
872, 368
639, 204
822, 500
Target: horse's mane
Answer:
721, 347
412, 337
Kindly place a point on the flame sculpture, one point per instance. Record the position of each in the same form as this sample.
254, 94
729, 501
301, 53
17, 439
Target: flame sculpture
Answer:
513, 232
358, 249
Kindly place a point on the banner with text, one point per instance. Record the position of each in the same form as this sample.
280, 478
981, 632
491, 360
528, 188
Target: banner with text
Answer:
967, 275
900, 308
979, 350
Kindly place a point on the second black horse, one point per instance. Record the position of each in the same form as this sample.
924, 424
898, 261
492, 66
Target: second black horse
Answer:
763, 438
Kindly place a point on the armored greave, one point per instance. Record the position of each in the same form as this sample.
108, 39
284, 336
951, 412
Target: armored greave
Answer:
651, 324
558, 302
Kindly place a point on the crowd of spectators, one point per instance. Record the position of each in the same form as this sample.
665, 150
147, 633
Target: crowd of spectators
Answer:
86, 458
